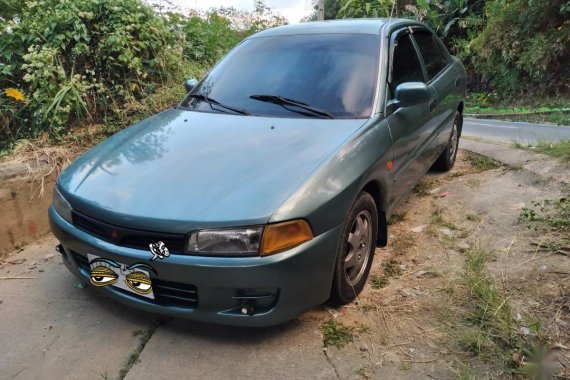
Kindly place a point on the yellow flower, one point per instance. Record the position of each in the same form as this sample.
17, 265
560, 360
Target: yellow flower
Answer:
16, 94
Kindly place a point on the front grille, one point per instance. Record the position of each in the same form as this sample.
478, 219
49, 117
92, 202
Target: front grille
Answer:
127, 237
166, 293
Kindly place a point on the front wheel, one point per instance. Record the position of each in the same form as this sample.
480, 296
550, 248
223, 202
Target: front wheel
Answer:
447, 158
355, 251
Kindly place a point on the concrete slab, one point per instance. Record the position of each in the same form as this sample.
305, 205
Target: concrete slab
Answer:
182, 349
540, 164
54, 329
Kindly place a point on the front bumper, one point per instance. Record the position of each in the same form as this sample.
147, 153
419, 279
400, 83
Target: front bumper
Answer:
273, 289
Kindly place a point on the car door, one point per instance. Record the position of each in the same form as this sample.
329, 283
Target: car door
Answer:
442, 80
409, 126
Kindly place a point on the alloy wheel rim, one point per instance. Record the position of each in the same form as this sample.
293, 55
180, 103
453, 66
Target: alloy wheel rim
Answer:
358, 247
453, 145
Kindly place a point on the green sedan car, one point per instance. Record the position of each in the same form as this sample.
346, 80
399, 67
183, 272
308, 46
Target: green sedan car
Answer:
265, 192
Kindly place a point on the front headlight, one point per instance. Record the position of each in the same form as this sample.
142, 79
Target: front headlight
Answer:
61, 206
225, 242
249, 241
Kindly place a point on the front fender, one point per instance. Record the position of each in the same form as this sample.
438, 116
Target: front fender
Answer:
325, 198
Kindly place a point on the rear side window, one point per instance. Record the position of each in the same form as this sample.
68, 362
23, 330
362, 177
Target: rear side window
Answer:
406, 66
434, 56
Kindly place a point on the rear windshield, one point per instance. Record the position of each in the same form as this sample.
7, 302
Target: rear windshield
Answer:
332, 72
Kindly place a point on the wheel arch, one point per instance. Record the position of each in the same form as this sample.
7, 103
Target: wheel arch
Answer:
377, 192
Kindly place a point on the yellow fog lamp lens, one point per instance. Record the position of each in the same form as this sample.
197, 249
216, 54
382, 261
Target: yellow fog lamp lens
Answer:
283, 236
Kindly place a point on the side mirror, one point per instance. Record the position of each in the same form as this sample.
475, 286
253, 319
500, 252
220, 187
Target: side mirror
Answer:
190, 84
410, 94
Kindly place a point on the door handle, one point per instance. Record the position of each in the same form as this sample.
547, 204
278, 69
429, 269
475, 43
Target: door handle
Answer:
432, 105
457, 82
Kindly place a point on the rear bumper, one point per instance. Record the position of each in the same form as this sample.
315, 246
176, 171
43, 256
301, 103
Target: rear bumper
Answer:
274, 289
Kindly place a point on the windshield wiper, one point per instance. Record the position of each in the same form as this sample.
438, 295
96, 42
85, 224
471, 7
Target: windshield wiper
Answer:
212, 101
291, 102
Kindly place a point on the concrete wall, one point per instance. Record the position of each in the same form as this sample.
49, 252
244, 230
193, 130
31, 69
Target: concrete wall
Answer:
23, 212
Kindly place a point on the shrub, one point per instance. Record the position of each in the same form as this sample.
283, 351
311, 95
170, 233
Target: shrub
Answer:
524, 46
208, 39
77, 58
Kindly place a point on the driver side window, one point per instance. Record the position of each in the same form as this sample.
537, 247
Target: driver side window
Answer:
406, 66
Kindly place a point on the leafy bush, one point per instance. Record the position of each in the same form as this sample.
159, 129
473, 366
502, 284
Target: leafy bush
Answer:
509, 47
208, 37
77, 58
524, 46
363, 8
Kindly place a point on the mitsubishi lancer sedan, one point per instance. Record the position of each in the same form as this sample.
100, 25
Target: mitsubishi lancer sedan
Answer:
265, 192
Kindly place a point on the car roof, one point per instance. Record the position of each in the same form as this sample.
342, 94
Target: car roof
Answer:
362, 26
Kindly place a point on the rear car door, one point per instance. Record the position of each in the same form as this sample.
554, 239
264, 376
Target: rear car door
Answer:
442, 79
409, 126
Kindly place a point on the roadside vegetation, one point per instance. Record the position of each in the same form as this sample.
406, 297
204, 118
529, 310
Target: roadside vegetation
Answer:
335, 334
488, 328
542, 113
69, 64
482, 163
560, 149
390, 269
550, 217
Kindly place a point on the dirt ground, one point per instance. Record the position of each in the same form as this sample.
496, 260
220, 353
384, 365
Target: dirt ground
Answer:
408, 326
409, 322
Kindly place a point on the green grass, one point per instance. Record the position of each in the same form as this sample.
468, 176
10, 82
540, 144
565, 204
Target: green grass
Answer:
336, 334
553, 214
390, 269
488, 328
482, 163
485, 326
559, 149
424, 188
379, 282
490, 309
553, 110
397, 217
481, 109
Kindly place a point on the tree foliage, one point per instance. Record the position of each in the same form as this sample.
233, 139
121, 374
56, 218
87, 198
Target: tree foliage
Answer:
524, 46
73, 58
209, 36
66, 61
510, 47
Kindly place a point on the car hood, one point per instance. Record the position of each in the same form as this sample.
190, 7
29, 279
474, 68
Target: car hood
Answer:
183, 170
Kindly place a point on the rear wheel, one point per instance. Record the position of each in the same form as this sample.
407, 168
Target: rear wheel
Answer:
355, 251
447, 158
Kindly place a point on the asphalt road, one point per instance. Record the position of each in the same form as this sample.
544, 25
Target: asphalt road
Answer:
506, 131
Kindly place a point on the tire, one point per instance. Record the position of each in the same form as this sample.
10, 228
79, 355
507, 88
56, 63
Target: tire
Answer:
446, 159
355, 251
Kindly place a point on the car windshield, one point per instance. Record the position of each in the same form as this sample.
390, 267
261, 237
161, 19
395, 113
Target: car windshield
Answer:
330, 75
